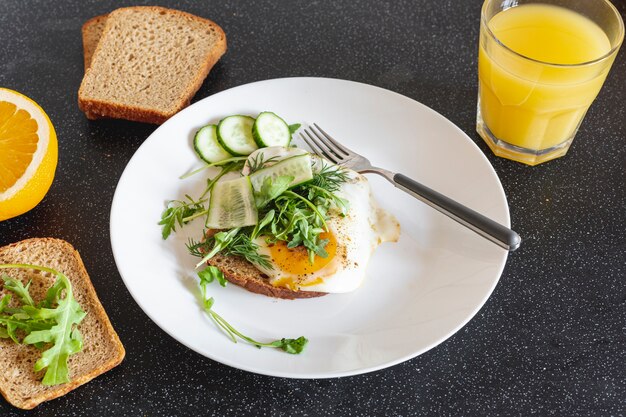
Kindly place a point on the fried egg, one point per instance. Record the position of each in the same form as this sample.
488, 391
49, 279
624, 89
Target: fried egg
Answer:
351, 241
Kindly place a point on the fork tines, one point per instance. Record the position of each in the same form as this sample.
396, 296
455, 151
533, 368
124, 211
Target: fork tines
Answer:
324, 145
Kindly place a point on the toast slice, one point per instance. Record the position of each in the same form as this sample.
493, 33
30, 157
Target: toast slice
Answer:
92, 32
241, 272
102, 349
149, 63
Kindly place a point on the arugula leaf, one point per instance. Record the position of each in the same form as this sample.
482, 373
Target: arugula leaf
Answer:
221, 241
296, 216
310, 205
24, 322
65, 338
181, 212
269, 216
51, 324
271, 189
19, 289
4, 302
294, 127
178, 212
11, 327
293, 346
309, 237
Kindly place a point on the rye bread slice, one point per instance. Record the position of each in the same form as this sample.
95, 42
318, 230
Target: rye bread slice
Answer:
102, 349
92, 32
149, 63
241, 272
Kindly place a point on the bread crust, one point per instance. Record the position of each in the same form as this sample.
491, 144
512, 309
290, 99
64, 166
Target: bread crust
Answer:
242, 273
95, 109
87, 33
21, 252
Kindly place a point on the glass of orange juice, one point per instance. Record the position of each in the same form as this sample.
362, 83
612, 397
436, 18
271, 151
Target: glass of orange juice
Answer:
541, 63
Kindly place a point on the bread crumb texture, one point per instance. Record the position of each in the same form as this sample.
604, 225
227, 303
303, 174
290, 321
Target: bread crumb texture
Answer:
149, 63
102, 349
92, 32
241, 272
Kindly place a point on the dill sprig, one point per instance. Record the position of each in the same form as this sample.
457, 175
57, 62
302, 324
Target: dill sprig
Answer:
296, 216
258, 162
330, 177
238, 245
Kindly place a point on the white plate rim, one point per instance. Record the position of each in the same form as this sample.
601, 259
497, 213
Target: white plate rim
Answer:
313, 375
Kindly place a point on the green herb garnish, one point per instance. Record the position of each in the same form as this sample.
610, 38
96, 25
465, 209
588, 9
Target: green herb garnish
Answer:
294, 127
52, 323
259, 162
228, 243
181, 212
178, 213
330, 178
212, 273
296, 216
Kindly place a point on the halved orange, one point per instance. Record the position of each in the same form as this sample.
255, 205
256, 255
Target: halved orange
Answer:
28, 153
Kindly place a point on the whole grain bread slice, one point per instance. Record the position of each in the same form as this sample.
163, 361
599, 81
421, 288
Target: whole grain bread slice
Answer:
102, 349
149, 63
92, 32
241, 272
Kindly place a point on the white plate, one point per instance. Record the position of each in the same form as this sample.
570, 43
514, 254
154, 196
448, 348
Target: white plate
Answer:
418, 292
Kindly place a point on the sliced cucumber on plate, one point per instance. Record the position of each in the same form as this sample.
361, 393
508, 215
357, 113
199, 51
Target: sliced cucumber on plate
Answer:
207, 146
232, 204
234, 134
270, 130
298, 167
269, 156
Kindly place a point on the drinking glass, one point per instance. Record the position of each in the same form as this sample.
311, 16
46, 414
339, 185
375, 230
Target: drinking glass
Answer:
541, 64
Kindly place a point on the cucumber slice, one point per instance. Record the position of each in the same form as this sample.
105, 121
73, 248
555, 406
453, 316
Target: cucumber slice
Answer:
298, 167
234, 133
232, 204
266, 157
207, 147
270, 130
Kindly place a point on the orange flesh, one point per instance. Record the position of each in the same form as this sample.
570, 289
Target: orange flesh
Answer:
18, 143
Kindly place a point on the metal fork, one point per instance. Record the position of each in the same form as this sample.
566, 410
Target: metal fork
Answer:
325, 146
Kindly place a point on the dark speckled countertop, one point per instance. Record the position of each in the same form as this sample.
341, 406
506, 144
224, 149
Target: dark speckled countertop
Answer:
551, 340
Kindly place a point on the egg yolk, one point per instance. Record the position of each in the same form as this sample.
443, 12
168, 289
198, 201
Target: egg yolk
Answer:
296, 261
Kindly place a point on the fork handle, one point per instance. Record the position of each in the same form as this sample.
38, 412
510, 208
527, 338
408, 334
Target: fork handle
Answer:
484, 226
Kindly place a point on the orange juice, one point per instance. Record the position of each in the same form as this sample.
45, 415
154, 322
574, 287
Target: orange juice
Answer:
533, 91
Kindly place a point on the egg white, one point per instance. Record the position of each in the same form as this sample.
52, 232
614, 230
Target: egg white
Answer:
363, 228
